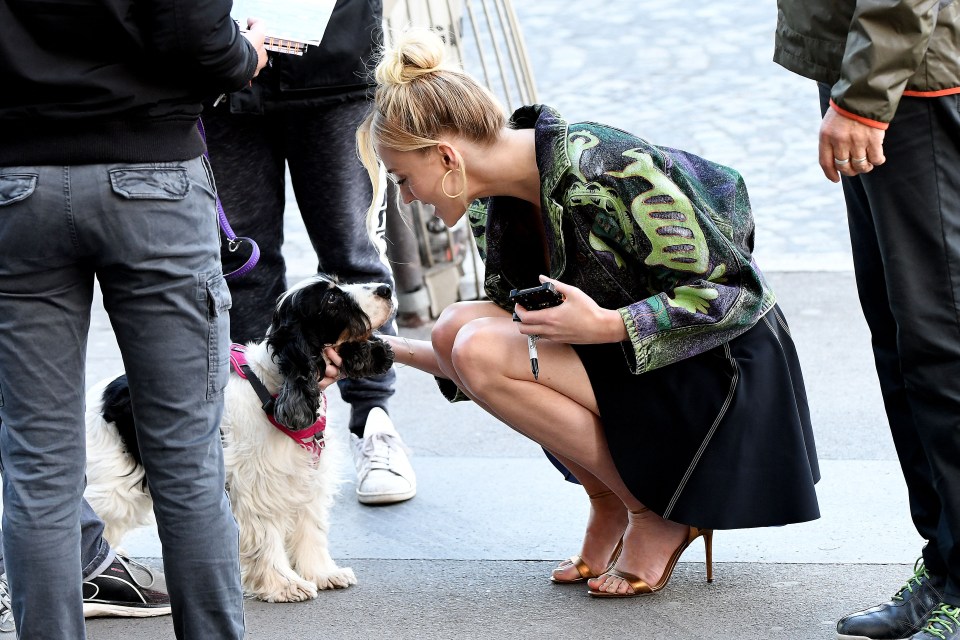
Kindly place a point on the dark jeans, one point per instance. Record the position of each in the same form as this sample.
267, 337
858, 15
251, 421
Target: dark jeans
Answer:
904, 221
333, 192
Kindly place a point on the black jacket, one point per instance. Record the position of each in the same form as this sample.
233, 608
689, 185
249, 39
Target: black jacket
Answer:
96, 81
339, 70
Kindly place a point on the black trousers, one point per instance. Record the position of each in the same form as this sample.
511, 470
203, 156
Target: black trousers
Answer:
249, 153
904, 219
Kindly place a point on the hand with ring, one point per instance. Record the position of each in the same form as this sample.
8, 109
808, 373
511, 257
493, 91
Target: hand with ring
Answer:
848, 147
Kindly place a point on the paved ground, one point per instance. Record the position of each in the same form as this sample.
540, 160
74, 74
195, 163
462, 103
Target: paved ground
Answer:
470, 555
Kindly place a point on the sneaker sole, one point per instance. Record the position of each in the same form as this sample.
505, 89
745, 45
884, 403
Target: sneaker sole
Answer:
385, 498
841, 636
102, 609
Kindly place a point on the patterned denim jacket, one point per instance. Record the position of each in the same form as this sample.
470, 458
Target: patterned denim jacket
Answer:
661, 235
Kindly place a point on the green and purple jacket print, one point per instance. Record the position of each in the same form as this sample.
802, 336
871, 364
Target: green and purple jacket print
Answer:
661, 235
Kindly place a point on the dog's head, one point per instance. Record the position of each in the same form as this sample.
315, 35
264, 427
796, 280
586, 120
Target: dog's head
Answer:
318, 313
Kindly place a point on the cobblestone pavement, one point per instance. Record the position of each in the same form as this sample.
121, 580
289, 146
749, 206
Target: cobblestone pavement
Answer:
698, 75
695, 75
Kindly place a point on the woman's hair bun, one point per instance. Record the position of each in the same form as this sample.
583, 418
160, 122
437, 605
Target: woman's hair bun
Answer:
415, 53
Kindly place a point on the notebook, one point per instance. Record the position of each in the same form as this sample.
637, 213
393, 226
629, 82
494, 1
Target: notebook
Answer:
292, 25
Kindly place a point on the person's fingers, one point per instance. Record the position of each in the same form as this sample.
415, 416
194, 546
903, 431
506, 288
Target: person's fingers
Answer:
860, 163
332, 356
831, 161
875, 154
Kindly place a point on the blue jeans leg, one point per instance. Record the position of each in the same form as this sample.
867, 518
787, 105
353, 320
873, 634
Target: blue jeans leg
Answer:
150, 234
44, 316
95, 552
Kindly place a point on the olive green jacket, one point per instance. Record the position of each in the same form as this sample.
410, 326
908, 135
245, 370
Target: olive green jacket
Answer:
872, 52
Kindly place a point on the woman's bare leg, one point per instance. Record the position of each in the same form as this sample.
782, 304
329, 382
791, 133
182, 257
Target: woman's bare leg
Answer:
488, 359
608, 515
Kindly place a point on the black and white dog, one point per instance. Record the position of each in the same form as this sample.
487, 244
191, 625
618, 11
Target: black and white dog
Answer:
280, 477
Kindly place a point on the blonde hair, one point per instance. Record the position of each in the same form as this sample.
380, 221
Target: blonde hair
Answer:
418, 99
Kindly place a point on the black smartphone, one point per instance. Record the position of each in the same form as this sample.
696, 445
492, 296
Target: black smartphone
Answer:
541, 297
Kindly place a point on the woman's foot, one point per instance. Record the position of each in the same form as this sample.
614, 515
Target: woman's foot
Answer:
648, 544
605, 527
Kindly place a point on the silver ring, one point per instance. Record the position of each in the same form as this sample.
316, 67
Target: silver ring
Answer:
862, 160
840, 163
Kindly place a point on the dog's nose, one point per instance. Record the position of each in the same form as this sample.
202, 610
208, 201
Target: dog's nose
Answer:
384, 291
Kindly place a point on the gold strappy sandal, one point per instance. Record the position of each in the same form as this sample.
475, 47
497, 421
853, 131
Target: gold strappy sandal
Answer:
583, 570
641, 588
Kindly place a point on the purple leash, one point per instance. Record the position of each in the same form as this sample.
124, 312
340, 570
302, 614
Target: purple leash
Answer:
233, 242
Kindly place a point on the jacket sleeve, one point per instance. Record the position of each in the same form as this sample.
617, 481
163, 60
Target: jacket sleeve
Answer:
689, 223
199, 39
885, 46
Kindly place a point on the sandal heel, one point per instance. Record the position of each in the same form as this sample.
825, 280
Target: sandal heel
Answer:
708, 551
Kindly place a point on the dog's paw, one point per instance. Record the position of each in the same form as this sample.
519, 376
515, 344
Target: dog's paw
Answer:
286, 590
363, 359
341, 578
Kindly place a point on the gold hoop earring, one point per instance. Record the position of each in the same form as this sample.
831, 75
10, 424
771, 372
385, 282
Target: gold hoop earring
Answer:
443, 186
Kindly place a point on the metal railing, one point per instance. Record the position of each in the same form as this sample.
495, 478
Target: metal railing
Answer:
484, 38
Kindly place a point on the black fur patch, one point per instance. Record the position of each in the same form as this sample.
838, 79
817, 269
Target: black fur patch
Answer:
117, 409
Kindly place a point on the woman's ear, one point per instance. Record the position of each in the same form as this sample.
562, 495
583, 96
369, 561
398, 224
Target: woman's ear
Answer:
449, 156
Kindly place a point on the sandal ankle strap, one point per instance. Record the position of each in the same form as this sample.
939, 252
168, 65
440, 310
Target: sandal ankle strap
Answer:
600, 494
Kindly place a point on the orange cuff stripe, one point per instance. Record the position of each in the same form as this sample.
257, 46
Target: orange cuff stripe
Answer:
932, 94
876, 124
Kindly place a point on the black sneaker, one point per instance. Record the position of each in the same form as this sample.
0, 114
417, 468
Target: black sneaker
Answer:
943, 624
901, 617
126, 589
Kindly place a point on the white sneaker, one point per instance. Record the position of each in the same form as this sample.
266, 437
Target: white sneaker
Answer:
384, 474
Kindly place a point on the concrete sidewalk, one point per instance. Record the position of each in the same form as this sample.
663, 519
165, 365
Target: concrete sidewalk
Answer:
470, 555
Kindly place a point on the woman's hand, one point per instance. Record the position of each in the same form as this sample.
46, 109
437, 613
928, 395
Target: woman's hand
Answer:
331, 373
577, 320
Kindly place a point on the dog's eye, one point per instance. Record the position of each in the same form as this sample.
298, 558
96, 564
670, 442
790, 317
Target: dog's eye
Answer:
332, 296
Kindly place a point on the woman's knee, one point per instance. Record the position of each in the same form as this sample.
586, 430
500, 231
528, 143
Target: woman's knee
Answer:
445, 331
476, 356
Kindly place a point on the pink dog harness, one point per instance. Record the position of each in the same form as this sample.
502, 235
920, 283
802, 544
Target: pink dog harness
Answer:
310, 438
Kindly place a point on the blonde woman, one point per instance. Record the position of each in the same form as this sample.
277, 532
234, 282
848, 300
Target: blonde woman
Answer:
669, 386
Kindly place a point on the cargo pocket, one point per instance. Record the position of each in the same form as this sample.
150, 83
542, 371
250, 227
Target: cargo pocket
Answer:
218, 299
15, 187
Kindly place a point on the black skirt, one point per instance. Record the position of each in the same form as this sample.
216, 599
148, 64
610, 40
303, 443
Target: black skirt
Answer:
721, 440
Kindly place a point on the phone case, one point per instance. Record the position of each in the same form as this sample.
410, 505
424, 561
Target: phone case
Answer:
546, 295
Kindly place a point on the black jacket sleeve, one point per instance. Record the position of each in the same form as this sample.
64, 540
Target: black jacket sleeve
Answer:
198, 37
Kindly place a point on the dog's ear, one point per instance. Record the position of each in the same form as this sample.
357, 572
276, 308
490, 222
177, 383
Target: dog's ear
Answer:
371, 357
297, 404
